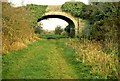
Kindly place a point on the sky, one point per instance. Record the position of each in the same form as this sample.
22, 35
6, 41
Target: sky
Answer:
42, 2
51, 23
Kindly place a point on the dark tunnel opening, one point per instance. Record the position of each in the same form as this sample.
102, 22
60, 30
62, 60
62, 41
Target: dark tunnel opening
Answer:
70, 29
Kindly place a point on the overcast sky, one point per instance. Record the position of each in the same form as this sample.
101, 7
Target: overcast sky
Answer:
53, 2
42, 2
52, 23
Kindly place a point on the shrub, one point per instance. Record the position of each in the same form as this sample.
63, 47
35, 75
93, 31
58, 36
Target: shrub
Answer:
58, 30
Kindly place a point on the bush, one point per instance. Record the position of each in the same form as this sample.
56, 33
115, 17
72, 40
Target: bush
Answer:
74, 8
58, 30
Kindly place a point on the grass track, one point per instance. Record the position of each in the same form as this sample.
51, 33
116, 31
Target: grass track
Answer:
44, 59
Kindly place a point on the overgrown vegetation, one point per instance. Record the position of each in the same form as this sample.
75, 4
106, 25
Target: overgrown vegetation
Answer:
74, 8
91, 56
18, 24
103, 28
36, 11
16, 29
103, 18
103, 65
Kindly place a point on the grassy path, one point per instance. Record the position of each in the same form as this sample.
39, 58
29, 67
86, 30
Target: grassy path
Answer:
44, 59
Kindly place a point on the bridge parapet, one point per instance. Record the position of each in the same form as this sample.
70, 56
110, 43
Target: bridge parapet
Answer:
53, 8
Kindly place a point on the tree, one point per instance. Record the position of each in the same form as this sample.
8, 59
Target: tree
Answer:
58, 30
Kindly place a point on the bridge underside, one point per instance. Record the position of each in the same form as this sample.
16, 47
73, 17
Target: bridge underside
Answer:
70, 27
73, 22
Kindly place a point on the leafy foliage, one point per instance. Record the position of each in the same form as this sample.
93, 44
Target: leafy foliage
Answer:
104, 20
58, 30
36, 11
38, 28
104, 25
74, 8
103, 17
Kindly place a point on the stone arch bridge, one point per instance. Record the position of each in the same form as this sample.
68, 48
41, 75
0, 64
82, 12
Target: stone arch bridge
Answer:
56, 12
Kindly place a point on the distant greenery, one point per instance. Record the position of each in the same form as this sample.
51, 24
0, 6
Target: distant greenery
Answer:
58, 30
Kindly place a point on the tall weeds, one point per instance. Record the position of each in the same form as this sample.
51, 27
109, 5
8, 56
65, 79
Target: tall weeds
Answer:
16, 28
104, 66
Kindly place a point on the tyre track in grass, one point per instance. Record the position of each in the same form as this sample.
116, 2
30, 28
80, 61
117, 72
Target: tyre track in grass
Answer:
43, 61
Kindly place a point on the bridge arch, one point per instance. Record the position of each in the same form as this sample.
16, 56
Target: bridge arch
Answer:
72, 21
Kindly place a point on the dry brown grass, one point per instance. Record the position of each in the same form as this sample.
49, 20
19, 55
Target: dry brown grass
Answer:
91, 53
16, 28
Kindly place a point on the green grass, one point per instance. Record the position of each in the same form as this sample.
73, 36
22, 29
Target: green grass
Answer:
52, 36
45, 60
